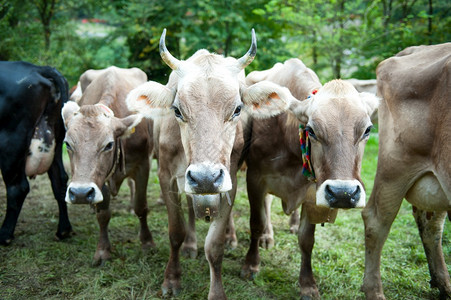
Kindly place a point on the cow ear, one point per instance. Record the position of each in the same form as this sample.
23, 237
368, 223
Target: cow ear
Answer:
266, 99
301, 109
126, 126
148, 98
370, 101
68, 111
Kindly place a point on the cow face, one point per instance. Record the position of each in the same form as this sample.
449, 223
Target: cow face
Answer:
92, 140
204, 93
338, 123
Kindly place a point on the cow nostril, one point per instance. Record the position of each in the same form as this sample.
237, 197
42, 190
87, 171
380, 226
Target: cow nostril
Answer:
330, 194
356, 191
91, 194
71, 195
191, 179
219, 178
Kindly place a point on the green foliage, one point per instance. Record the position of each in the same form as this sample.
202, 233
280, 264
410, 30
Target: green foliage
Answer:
335, 38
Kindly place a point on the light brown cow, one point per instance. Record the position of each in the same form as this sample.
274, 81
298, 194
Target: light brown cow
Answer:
414, 159
200, 144
100, 150
364, 85
337, 119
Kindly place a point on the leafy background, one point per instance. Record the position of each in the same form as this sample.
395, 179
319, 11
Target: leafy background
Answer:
336, 38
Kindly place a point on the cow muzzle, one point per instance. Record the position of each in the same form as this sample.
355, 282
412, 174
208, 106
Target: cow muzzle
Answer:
341, 194
207, 179
83, 193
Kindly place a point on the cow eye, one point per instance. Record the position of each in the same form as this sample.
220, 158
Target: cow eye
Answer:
68, 147
237, 111
108, 146
367, 131
310, 132
177, 112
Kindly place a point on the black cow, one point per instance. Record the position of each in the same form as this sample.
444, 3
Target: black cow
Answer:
31, 137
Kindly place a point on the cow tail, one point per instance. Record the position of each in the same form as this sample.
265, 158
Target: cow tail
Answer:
58, 81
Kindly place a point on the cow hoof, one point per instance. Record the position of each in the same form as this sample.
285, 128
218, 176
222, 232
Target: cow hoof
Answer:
6, 242
231, 241
189, 252
59, 236
101, 258
248, 274
170, 292
294, 229
6, 239
311, 296
100, 262
266, 242
148, 245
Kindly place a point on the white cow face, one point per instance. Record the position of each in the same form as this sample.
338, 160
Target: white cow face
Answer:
337, 120
92, 136
207, 103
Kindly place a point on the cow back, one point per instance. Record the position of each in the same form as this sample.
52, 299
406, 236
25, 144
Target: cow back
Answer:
416, 112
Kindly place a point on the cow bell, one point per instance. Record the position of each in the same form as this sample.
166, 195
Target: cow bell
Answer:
206, 206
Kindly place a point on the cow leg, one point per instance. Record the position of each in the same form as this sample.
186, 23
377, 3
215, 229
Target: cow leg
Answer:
267, 238
103, 214
17, 188
190, 243
306, 241
294, 221
430, 226
230, 236
132, 187
256, 195
378, 216
214, 250
58, 179
140, 204
177, 233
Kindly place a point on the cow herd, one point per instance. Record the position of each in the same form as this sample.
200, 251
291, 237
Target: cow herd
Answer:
298, 140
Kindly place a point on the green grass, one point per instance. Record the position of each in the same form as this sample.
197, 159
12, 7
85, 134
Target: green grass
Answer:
36, 266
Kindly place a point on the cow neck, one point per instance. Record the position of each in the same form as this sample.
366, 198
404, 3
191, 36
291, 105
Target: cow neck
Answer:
307, 166
118, 153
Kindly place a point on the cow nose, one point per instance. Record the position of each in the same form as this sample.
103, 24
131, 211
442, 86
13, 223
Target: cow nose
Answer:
342, 197
82, 194
205, 181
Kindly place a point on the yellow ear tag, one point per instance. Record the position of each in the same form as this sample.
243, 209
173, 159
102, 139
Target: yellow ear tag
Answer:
133, 130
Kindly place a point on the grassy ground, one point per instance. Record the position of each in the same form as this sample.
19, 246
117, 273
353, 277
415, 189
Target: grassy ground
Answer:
36, 266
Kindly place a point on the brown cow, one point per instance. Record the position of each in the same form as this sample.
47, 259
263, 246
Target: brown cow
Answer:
337, 120
364, 85
200, 144
99, 150
414, 159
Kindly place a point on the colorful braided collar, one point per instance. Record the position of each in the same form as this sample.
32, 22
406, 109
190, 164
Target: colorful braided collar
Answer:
307, 168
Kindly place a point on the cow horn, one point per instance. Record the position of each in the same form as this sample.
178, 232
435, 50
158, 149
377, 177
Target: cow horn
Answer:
244, 61
167, 57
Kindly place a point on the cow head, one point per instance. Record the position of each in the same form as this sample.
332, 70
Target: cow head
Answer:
337, 119
204, 93
92, 140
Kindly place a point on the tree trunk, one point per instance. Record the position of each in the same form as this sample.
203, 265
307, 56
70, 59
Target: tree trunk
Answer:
431, 11
314, 50
46, 10
228, 41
